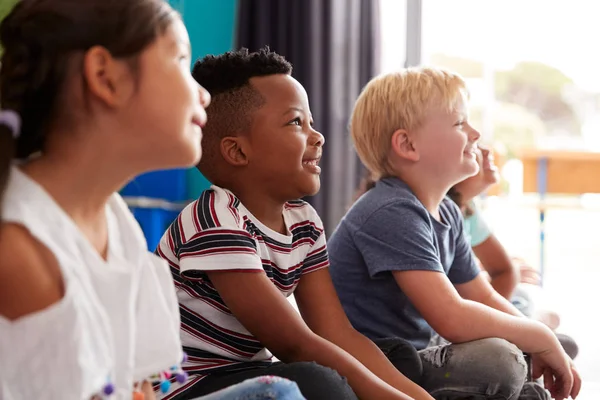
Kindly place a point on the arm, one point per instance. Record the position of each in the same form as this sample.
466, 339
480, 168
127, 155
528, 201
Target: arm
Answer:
325, 316
497, 263
466, 275
261, 308
148, 392
30, 278
441, 305
480, 290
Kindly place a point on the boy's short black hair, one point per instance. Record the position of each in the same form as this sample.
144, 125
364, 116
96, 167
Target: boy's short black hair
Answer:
227, 79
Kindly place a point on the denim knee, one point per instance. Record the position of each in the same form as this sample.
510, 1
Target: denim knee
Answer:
481, 369
506, 362
403, 356
317, 382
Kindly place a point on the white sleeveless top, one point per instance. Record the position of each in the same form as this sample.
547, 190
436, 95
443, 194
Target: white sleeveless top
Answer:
118, 321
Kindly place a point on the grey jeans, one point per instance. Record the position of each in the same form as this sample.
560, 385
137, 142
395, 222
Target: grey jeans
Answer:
486, 369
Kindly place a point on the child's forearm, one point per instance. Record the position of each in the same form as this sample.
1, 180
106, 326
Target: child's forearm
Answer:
499, 303
371, 357
482, 321
148, 392
505, 282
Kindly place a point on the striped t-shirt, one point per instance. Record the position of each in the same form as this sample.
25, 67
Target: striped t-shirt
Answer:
216, 233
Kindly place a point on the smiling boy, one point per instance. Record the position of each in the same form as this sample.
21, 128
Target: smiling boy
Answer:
248, 243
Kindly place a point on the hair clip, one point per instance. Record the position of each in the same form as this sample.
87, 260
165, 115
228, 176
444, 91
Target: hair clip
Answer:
11, 120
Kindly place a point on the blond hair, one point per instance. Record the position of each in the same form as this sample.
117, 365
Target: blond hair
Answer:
398, 100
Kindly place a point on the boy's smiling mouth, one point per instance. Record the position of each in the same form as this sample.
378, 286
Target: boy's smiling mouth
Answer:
311, 163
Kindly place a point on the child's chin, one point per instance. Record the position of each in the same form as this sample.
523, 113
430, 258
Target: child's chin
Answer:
472, 169
466, 173
312, 189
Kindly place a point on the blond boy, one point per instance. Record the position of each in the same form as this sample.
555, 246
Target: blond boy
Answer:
400, 261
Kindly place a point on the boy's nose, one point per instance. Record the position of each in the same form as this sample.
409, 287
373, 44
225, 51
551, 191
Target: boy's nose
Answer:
316, 138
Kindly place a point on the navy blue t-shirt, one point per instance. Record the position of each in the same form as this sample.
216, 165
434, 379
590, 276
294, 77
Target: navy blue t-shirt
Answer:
389, 229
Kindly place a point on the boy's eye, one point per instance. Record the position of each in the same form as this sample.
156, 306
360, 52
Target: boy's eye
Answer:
459, 123
296, 121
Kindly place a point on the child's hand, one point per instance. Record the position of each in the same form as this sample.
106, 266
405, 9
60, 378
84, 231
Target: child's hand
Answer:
560, 375
528, 273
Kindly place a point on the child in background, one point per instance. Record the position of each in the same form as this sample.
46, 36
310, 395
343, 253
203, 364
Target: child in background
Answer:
247, 243
93, 93
513, 279
399, 258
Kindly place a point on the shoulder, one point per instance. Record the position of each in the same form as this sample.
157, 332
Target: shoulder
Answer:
300, 211
215, 208
30, 277
129, 229
407, 211
389, 196
304, 223
477, 228
390, 221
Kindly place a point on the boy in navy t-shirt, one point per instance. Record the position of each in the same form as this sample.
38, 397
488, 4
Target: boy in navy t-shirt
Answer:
400, 261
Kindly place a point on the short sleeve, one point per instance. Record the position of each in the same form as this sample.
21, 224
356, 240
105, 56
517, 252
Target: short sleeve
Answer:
219, 249
318, 256
479, 231
398, 237
209, 235
464, 268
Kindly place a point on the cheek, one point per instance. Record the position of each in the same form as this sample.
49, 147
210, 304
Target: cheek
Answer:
176, 107
293, 146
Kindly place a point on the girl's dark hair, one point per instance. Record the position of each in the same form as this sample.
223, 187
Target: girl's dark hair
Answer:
456, 197
39, 38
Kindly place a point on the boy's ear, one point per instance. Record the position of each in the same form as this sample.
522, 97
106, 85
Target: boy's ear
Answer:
404, 146
234, 150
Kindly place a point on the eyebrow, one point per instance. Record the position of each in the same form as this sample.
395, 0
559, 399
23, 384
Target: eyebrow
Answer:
299, 109
289, 110
187, 45
460, 114
175, 43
